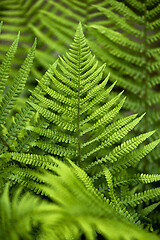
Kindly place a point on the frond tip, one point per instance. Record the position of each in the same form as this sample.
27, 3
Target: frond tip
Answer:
79, 30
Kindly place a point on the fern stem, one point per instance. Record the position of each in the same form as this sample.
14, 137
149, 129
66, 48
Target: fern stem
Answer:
79, 144
78, 123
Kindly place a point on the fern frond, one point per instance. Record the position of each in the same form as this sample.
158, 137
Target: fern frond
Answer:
25, 115
15, 216
133, 157
90, 125
11, 89
126, 147
30, 159
139, 178
115, 125
56, 95
109, 180
6, 64
140, 197
53, 134
17, 86
81, 89
149, 209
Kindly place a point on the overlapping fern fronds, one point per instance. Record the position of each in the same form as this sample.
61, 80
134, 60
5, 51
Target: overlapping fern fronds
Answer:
81, 123
11, 91
13, 136
77, 119
53, 22
81, 115
129, 44
11, 133
77, 208
17, 15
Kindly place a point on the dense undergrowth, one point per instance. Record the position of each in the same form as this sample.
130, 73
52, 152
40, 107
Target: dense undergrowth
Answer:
78, 159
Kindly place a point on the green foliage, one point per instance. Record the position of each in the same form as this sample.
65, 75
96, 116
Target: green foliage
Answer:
128, 41
53, 22
82, 187
77, 209
125, 33
78, 111
10, 92
16, 16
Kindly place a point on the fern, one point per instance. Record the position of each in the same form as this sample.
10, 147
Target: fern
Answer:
16, 215
9, 95
12, 132
54, 23
83, 126
64, 217
16, 16
76, 117
17, 86
128, 42
6, 65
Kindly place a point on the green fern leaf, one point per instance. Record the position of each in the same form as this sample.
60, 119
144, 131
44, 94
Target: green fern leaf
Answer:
6, 64
138, 198
17, 86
